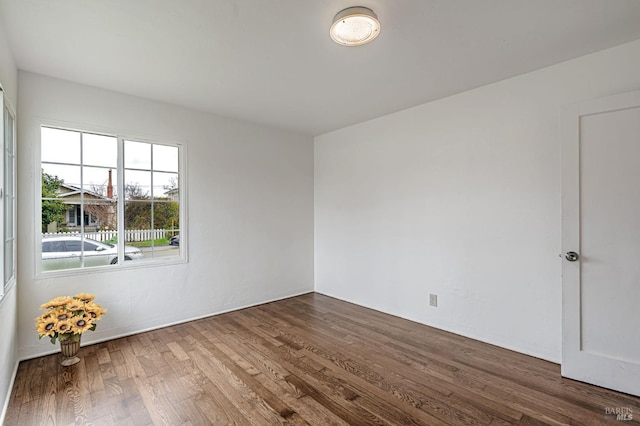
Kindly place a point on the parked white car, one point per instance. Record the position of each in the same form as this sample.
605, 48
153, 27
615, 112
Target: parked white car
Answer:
66, 252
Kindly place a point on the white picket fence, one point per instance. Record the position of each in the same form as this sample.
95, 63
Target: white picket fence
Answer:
131, 235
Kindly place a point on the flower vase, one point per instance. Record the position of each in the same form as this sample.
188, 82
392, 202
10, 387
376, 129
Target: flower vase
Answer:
69, 349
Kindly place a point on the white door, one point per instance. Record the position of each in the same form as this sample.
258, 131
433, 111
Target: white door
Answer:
601, 242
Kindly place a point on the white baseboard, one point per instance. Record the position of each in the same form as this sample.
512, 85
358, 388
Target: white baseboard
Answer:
5, 406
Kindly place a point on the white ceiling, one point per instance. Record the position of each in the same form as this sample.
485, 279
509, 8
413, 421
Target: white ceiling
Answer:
272, 61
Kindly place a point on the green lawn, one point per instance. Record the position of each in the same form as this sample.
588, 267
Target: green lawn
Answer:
158, 242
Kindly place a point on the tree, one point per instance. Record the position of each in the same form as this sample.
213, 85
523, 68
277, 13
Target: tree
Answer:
173, 183
53, 210
133, 191
166, 213
137, 213
103, 210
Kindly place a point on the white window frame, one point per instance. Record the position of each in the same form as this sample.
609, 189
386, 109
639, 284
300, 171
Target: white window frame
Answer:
6, 109
121, 138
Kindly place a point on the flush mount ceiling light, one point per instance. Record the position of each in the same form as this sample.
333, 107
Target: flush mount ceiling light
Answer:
355, 26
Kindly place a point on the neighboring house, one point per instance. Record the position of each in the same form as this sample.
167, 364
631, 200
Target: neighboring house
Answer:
173, 194
99, 211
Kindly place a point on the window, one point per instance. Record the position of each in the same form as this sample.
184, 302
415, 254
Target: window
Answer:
107, 200
7, 194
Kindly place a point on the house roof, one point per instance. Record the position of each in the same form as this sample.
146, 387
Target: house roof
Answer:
70, 191
273, 62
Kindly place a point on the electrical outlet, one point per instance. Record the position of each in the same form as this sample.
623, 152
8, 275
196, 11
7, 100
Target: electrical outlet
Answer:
433, 300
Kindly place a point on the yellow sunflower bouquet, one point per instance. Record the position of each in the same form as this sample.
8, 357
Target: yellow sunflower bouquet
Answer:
66, 318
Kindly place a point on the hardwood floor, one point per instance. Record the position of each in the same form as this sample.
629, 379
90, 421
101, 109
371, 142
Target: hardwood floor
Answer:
305, 360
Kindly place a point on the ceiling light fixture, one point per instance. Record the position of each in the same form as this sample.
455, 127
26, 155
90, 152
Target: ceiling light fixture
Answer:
355, 26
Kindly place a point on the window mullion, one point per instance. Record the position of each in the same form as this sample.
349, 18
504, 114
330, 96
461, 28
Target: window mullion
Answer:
120, 201
152, 198
82, 230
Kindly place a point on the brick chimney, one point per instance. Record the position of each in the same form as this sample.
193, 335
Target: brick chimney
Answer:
110, 186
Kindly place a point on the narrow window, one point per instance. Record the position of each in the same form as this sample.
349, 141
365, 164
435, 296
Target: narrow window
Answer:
7, 195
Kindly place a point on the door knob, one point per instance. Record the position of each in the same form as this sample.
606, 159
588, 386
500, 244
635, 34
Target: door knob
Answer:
572, 256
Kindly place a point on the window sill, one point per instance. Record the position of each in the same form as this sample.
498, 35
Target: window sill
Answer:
128, 265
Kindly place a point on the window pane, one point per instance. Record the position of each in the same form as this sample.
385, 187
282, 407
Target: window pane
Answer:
137, 185
8, 218
60, 146
8, 260
96, 182
165, 186
57, 199
8, 180
101, 215
8, 131
137, 155
53, 254
165, 158
166, 215
137, 216
98, 150
139, 231
174, 241
90, 251
8, 175
166, 223
67, 175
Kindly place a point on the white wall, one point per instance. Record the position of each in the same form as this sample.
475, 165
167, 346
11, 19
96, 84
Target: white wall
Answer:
250, 213
8, 348
461, 198
8, 70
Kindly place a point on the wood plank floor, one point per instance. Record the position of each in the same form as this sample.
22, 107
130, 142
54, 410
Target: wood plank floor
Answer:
306, 360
